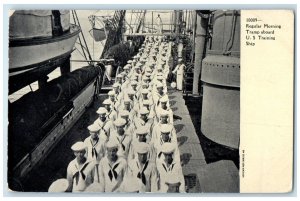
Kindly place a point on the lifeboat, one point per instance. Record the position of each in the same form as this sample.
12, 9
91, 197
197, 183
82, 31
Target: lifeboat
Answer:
39, 41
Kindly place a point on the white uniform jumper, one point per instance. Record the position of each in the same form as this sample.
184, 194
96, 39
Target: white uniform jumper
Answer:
111, 174
146, 173
82, 175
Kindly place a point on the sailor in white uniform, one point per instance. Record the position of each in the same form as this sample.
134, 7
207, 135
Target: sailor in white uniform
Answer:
111, 113
95, 146
164, 108
127, 105
104, 123
164, 119
165, 137
115, 102
80, 171
129, 125
112, 168
159, 92
173, 184
141, 134
122, 137
180, 72
168, 167
144, 120
143, 169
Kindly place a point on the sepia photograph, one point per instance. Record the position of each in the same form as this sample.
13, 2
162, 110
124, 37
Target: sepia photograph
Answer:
135, 101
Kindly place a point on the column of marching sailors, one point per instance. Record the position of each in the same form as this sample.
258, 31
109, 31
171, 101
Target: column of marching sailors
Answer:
132, 146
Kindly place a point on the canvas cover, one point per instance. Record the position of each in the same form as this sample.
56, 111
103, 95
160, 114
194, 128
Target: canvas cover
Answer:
35, 23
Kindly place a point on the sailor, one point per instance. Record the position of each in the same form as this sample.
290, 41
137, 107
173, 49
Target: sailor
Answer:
132, 96
122, 137
144, 120
119, 79
127, 105
141, 134
143, 169
80, 171
173, 184
117, 89
161, 79
180, 68
112, 168
95, 146
115, 102
168, 167
164, 133
158, 93
164, 106
129, 125
104, 123
59, 186
145, 95
111, 113
108, 69
134, 86
148, 104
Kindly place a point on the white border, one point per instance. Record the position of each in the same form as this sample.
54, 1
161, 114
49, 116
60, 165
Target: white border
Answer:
79, 4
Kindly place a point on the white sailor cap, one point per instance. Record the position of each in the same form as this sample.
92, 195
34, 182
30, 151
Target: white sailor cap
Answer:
119, 75
111, 93
159, 77
164, 99
142, 130
59, 186
126, 67
145, 84
93, 128
144, 110
145, 91
102, 110
159, 85
119, 122
110, 60
146, 102
164, 113
78, 146
172, 180
167, 148
142, 148
166, 128
124, 113
129, 61
137, 66
112, 143
133, 83
146, 78
115, 85
107, 102
180, 59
